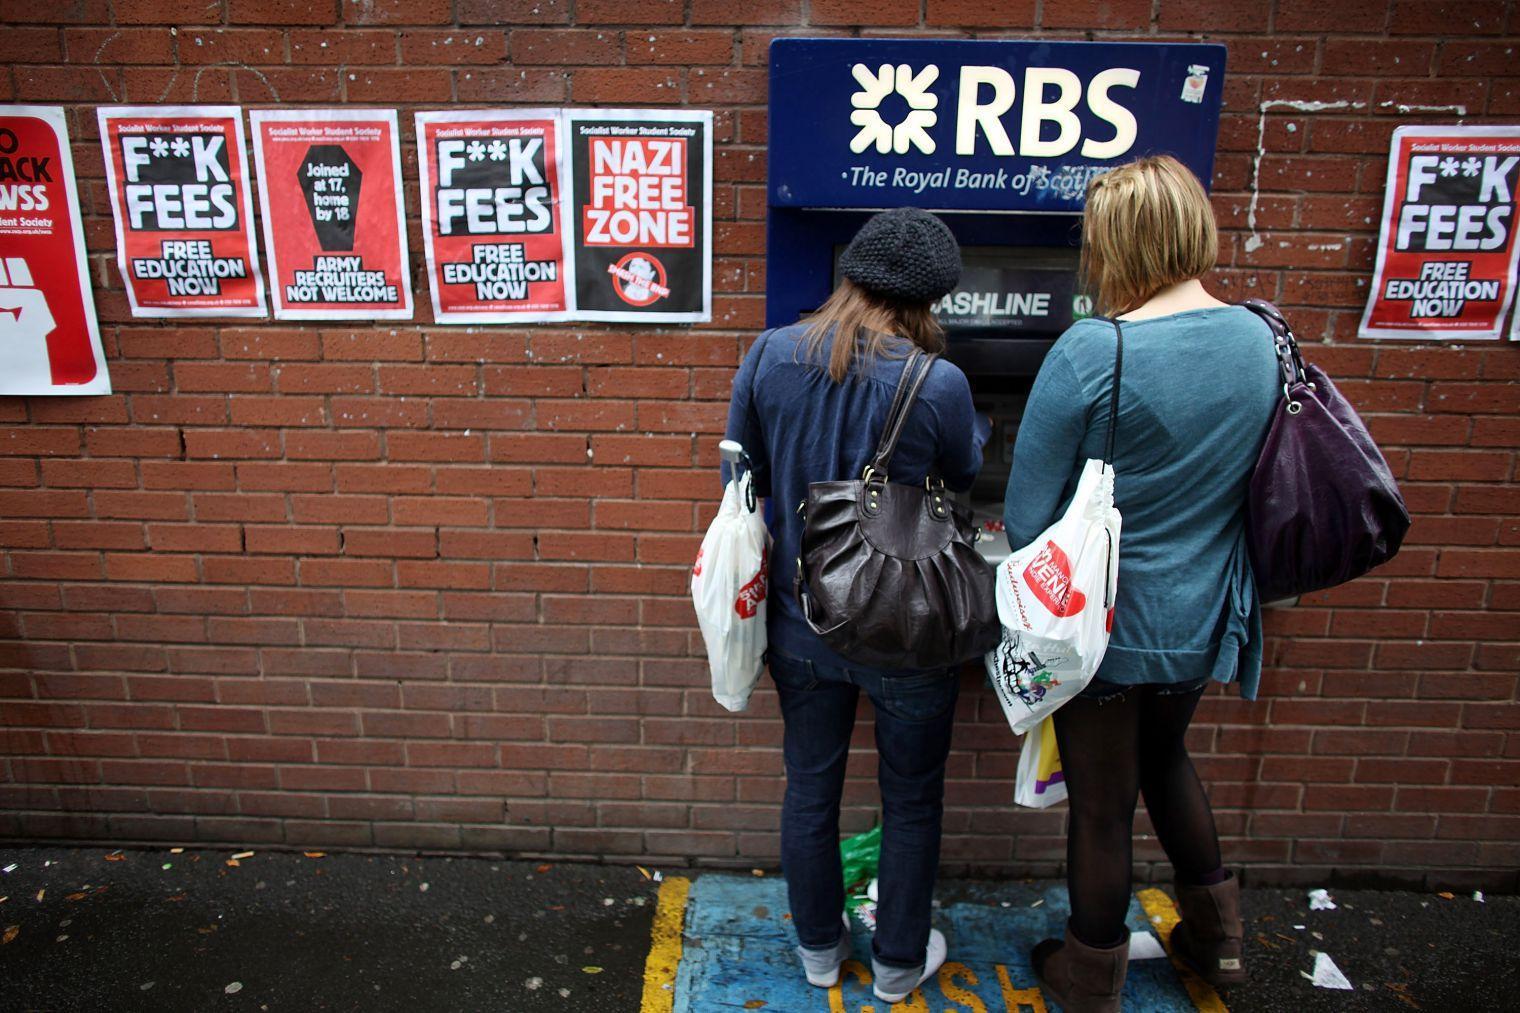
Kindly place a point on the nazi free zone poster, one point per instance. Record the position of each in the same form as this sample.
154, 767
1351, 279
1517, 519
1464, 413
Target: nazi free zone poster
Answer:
49, 338
642, 214
178, 177
492, 215
1447, 250
330, 198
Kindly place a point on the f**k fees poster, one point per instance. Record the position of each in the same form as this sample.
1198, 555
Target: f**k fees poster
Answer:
642, 214
1447, 251
184, 218
334, 221
492, 216
49, 338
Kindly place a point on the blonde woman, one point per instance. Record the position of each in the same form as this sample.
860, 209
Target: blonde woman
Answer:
809, 405
1196, 399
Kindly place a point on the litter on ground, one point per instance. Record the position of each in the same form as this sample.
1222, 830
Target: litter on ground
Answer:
1319, 900
1144, 946
1326, 974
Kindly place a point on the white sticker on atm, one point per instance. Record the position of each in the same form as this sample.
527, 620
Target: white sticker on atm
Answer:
1194, 84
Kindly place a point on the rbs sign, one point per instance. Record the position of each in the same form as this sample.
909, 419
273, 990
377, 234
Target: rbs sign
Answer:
960, 125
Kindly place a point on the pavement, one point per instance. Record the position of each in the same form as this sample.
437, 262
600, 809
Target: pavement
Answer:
92, 929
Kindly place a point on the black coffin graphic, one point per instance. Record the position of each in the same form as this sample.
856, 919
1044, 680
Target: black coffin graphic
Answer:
330, 180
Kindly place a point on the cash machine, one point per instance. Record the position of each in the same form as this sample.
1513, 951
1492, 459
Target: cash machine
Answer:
998, 137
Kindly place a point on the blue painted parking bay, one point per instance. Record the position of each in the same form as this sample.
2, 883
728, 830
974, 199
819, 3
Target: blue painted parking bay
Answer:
735, 953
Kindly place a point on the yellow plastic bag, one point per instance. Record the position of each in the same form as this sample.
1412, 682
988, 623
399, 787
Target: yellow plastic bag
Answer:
1040, 783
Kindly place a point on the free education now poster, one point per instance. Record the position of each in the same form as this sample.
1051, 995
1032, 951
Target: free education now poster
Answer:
493, 215
184, 218
334, 220
1447, 251
642, 214
49, 338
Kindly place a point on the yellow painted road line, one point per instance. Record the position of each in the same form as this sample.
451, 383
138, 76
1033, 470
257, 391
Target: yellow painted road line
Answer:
1163, 916
665, 946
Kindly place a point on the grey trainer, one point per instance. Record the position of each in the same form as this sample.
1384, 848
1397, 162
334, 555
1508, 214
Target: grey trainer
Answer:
822, 965
894, 984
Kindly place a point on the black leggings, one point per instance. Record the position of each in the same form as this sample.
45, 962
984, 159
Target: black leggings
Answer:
1112, 750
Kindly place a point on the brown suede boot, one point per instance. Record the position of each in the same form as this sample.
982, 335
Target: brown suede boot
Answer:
1209, 935
1082, 978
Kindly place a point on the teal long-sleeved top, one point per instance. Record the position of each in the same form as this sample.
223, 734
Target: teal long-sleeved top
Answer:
1196, 400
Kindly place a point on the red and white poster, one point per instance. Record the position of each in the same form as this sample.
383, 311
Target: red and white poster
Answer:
1447, 251
184, 217
493, 215
49, 338
333, 212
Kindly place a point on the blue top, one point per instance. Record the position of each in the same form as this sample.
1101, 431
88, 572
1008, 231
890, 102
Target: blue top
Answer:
1197, 397
799, 427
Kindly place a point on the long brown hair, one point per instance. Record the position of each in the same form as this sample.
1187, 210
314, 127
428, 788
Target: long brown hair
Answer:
864, 326
1148, 224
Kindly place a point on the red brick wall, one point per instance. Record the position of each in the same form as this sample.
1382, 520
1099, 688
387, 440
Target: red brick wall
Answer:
420, 587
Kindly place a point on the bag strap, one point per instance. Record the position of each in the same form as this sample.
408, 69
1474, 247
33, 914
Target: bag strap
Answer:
1290, 361
908, 386
1113, 395
903, 383
1108, 452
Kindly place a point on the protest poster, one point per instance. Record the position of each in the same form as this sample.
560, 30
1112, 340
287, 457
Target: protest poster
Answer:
49, 337
178, 179
333, 213
1447, 248
641, 214
493, 215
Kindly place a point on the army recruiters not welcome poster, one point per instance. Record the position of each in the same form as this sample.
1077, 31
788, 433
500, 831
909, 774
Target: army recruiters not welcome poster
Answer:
333, 212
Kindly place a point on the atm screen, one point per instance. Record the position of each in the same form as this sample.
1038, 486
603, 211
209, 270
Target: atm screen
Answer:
1011, 289
1018, 291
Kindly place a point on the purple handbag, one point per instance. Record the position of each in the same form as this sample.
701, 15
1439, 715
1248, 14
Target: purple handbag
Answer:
1323, 506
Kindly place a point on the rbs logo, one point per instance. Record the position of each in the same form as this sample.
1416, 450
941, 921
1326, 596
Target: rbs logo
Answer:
985, 95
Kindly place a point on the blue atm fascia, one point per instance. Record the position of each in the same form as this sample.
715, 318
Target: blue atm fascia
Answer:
823, 93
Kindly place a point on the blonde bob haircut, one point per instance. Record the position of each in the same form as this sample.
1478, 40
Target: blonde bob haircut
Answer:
1148, 225
863, 325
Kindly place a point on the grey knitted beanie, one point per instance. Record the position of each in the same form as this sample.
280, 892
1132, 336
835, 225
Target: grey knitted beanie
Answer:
904, 254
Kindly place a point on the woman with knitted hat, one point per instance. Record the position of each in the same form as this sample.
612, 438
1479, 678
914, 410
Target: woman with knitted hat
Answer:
809, 405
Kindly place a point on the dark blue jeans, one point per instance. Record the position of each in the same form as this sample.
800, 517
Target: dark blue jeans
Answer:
914, 714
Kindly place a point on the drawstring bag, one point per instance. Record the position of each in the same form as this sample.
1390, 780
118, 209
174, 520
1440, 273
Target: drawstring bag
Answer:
1055, 596
728, 588
1040, 783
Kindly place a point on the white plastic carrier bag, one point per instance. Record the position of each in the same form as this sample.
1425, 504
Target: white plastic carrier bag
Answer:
1055, 600
1040, 782
728, 587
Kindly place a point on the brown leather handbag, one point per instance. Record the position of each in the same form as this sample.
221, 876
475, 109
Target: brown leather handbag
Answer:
889, 575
